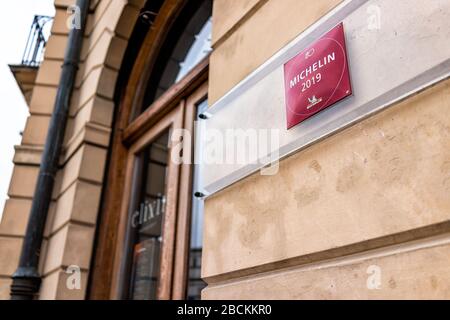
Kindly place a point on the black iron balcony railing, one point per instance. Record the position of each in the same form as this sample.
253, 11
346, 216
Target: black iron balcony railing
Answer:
37, 40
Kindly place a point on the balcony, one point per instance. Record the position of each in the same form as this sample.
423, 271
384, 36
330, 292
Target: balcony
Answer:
25, 73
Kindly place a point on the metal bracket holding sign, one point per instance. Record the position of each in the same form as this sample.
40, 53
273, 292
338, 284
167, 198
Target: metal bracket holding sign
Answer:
385, 66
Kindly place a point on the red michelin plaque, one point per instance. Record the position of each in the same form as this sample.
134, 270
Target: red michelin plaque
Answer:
317, 78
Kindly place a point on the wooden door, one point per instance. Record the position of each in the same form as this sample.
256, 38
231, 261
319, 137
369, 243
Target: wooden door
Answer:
155, 226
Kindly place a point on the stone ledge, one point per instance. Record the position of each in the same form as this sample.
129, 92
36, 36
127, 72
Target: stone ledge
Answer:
418, 270
28, 155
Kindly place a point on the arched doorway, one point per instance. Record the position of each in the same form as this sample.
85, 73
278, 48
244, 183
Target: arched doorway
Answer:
148, 242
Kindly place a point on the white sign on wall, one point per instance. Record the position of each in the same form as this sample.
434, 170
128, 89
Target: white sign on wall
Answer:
395, 49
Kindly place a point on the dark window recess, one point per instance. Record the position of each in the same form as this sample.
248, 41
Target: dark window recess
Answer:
196, 284
187, 43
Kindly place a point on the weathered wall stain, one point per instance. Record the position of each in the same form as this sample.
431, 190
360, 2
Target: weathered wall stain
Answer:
349, 177
315, 165
306, 195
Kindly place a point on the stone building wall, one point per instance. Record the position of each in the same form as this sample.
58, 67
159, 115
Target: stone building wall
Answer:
372, 200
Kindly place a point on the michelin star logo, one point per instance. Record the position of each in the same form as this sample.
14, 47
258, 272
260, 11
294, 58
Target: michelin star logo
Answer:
310, 53
313, 101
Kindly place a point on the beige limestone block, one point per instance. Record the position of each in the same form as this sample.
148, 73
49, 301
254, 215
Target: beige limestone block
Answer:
393, 273
386, 175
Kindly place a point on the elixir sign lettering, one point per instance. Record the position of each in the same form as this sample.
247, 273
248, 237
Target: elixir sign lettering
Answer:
317, 78
149, 213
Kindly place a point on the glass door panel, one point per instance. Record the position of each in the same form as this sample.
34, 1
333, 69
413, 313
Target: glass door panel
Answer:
195, 284
147, 220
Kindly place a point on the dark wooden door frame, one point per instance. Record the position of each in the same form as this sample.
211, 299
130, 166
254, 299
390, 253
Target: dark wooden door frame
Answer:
123, 135
172, 121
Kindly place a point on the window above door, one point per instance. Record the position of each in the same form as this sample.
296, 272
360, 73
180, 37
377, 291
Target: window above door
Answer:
187, 43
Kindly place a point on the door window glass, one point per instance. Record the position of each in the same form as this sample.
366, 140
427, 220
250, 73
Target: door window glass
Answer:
147, 221
187, 44
195, 283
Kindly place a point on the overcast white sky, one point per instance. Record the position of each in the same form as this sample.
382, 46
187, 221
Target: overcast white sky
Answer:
16, 17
